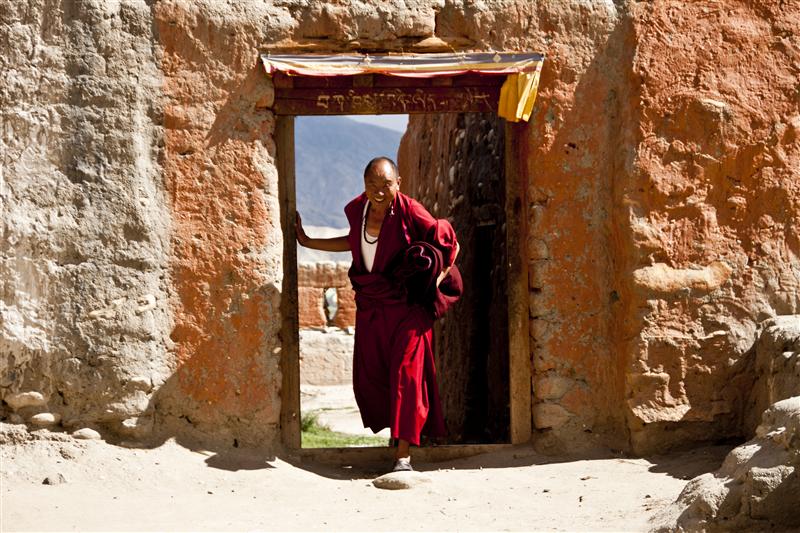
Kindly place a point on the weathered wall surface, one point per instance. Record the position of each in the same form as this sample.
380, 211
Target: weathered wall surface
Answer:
226, 239
710, 206
84, 275
141, 251
756, 487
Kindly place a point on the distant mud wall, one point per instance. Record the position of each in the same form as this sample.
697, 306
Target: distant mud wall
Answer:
313, 279
141, 252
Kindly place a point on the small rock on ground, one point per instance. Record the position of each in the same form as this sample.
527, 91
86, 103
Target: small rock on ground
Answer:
45, 419
55, 479
400, 480
86, 433
25, 399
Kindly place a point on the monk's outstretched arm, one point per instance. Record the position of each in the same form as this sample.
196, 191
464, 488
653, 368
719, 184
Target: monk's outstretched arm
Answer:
334, 244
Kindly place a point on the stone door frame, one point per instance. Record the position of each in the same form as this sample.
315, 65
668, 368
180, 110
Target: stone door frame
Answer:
368, 89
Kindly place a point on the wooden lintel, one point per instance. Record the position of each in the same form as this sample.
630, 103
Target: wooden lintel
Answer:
282, 81
365, 80
385, 81
446, 81
397, 100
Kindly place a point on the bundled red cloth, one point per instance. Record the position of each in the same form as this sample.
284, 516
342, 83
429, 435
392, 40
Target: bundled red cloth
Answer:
417, 271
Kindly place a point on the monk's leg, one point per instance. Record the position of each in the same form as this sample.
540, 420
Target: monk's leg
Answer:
409, 395
371, 384
403, 449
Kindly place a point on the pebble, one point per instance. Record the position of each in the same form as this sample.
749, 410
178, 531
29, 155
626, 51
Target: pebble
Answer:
86, 433
14, 418
56, 479
137, 426
400, 480
25, 399
45, 419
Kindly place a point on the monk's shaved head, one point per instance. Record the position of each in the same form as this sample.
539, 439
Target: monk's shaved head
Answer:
377, 162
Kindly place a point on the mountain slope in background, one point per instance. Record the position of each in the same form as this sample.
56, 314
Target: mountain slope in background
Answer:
330, 154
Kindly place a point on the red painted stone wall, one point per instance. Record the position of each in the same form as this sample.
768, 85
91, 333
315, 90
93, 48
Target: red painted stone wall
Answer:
710, 203
218, 169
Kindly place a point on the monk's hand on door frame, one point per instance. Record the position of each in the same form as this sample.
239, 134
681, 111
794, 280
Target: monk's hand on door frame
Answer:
302, 238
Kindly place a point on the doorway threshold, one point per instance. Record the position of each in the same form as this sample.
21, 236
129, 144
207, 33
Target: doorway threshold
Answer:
428, 454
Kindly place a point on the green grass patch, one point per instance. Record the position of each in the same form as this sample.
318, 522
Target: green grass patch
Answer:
317, 435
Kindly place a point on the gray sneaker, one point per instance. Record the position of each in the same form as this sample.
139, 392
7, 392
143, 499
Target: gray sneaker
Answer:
403, 465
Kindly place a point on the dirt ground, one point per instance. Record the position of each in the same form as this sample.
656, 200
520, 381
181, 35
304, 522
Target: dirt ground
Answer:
172, 488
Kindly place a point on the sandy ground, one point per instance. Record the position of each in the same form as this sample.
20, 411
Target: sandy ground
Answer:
173, 488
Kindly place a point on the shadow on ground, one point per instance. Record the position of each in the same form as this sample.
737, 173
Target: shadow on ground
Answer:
689, 464
682, 465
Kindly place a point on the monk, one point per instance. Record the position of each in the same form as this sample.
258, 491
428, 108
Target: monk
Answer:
394, 378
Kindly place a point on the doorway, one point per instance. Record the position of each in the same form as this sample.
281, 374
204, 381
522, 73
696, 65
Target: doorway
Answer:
368, 94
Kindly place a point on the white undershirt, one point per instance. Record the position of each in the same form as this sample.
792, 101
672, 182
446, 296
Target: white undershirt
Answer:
367, 249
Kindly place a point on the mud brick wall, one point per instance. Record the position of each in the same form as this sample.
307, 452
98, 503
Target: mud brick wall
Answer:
312, 281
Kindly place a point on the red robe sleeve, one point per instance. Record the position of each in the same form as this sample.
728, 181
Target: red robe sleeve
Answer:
438, 232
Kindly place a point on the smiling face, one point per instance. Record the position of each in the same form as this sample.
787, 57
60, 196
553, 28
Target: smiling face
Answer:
381, 182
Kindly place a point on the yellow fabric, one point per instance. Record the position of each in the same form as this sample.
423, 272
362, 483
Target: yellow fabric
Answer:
517, 96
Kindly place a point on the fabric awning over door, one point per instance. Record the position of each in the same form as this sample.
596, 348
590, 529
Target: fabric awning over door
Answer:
517, 94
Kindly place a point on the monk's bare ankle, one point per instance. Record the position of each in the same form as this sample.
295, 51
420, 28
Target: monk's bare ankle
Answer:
403, 449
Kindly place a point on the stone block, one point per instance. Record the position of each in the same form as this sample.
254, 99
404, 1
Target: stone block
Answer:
25, 399
537, 249
86, 434
552, 387
44, 420
311, 309
346, 308
549, 415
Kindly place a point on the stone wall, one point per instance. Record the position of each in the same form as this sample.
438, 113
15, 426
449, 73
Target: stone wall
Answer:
756, 487
706, 210
141, 254
85, 282
326, 357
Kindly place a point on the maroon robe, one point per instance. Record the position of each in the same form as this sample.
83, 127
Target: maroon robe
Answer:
394, 378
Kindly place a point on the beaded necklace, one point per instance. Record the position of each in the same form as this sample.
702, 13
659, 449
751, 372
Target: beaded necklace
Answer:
364, 229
